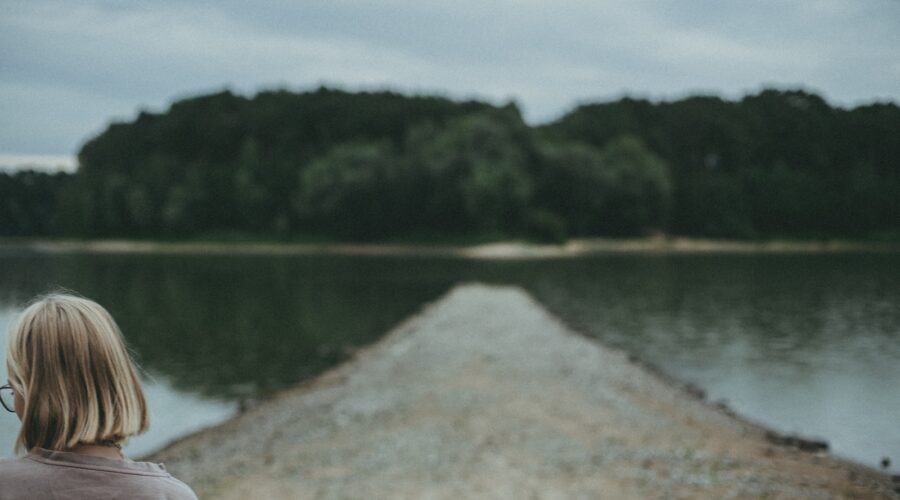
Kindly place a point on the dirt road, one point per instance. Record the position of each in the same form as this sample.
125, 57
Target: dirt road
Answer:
485, 394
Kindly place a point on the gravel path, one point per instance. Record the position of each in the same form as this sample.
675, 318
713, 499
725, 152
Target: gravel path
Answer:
487, 395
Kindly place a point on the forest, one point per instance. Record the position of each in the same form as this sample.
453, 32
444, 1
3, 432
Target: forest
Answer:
379, 166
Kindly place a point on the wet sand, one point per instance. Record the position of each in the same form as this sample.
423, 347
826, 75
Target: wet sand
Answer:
485, 394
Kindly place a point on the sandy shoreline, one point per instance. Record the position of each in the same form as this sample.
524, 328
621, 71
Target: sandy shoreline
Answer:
485, 394
499, 250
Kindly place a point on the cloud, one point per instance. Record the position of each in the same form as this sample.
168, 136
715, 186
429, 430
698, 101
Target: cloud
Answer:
43, 163
49, 118
66, 68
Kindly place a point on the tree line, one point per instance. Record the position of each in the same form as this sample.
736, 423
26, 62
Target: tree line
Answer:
381, 165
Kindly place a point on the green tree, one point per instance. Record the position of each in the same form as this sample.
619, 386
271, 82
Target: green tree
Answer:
618, 190
474, 173
30, 201
352, 191
779, 162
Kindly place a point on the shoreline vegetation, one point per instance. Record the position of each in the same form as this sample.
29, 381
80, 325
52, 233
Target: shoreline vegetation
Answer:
486, 394
374, 166
509, 249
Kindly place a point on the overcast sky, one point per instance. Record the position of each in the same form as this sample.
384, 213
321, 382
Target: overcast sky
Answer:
69, 67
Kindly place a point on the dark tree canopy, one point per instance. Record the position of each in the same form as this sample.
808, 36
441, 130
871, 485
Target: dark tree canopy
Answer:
778, 163
381, 165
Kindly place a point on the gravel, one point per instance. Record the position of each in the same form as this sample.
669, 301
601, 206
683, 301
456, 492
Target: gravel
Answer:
485, 394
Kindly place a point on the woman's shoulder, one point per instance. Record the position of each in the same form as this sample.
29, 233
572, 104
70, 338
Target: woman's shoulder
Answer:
13, 467
20, 477
45, 474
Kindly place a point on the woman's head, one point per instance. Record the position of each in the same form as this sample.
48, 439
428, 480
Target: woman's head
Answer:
68, 363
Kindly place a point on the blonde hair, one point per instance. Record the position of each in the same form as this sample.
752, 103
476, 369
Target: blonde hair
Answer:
67, 359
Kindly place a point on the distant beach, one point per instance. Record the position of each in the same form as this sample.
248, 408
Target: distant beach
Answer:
485, 394
494, 250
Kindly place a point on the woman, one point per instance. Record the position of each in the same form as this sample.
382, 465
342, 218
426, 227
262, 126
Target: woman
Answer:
76, 392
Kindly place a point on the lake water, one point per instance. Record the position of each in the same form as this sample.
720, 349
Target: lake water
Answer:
805, 343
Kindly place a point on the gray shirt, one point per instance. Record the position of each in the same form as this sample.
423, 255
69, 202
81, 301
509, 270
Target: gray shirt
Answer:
61, 475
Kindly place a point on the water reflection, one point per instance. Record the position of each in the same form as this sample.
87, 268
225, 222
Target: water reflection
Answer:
807, 343
233, 327
168, 411
802, 343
